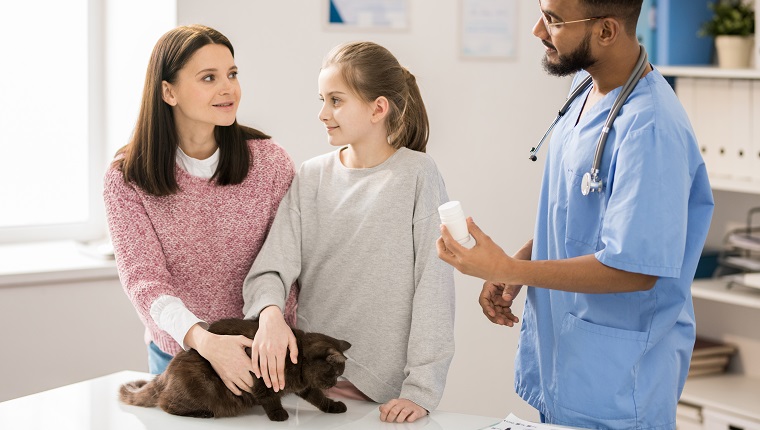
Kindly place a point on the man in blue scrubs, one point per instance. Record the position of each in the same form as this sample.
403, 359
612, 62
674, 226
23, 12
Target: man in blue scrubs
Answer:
608, 326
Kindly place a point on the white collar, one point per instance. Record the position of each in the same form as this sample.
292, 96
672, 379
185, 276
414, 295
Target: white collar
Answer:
201, 168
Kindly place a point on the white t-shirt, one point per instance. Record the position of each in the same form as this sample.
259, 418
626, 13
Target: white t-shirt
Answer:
200, 168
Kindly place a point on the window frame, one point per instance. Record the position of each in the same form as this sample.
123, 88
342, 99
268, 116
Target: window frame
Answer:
94, 227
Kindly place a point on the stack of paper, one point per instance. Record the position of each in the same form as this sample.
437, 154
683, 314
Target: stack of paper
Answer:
710, 357
751, 280
511, 422
688, 417
744, 241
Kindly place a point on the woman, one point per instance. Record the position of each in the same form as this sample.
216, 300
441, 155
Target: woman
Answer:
190, 200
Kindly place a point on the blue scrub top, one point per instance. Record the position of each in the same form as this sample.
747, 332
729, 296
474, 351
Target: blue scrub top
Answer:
617, 360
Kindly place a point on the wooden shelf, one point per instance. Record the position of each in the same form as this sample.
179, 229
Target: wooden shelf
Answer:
734, 394
717, 290
708, 72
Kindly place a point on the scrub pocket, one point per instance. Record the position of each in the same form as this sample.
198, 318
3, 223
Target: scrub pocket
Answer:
597, 368
584, 218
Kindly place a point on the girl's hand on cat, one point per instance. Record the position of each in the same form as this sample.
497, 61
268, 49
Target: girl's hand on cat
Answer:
496, 300
400, 410
226, 355
270, 348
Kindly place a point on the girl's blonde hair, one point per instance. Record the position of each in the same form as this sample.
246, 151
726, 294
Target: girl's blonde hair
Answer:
371, 71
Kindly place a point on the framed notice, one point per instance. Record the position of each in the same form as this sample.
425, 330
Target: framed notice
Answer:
489, 29
368, 14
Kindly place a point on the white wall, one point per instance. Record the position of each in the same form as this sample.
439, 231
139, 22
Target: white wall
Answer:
61, 333
131, 30
485, 116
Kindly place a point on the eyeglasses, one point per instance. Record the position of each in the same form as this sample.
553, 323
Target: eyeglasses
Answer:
552, 26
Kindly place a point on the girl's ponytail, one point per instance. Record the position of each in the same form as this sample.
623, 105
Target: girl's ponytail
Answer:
413, 128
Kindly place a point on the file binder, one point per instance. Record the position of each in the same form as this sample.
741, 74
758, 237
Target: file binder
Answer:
677, 25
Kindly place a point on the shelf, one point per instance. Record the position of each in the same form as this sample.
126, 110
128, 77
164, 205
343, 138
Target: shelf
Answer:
717, 290
737, 185
52, 262
734, 394
708, 72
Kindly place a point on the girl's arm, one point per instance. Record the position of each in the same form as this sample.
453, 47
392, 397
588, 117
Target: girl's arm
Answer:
431, 339
266, 287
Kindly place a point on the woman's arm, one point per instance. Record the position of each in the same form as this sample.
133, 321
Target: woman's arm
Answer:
144, 275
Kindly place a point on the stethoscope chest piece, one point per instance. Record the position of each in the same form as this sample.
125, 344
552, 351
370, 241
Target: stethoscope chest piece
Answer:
590, 184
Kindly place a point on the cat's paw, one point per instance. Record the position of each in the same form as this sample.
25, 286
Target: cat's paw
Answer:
278, 415
336, 408
135, 385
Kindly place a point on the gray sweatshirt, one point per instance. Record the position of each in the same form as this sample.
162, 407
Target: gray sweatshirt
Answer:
361, 243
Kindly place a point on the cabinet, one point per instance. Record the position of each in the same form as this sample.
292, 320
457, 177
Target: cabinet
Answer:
723, 105
730, 401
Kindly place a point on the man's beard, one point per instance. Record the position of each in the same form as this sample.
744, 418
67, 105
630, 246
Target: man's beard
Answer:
573, 62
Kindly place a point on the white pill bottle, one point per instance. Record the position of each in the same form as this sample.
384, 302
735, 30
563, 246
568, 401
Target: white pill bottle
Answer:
452, 216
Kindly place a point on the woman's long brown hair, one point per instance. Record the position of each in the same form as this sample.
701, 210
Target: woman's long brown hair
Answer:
148, 160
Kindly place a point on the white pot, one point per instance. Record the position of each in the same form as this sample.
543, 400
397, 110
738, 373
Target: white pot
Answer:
734, 51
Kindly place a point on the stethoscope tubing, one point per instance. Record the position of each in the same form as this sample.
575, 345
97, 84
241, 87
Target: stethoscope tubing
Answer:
576, 92
630, 84
591, 181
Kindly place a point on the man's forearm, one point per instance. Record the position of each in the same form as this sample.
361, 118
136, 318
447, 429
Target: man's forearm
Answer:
580, 274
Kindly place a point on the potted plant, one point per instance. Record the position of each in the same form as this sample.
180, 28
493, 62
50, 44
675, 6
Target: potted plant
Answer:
733, 26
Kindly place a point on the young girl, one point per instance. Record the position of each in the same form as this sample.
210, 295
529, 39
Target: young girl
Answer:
190, 200
358, 230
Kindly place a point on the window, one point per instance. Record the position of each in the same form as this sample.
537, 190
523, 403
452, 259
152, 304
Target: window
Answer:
50, 121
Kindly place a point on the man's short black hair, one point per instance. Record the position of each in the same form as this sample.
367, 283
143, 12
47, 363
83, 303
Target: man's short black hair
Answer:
626, 10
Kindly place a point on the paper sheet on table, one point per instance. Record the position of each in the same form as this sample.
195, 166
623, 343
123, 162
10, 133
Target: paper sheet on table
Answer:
511, 422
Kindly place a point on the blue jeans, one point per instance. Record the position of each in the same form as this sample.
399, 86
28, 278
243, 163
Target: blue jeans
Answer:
157, 359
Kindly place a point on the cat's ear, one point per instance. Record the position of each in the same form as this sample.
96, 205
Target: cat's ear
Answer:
335, 357
343, 345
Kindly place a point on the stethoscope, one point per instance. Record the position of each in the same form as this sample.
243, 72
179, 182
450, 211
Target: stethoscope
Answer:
591, 181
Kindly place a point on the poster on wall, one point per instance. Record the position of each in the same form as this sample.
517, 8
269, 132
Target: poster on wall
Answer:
368, 14
489, 29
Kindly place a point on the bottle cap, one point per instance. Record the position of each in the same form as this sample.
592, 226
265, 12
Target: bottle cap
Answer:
450, 209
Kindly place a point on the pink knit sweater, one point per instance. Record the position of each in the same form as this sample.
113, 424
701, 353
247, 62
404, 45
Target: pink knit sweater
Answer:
198, 244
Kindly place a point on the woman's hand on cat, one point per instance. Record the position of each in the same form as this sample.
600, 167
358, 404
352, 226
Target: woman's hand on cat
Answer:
270, 348
400, 410
226, 355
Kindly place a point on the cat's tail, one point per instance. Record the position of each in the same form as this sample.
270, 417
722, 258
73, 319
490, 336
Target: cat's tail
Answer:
140, 393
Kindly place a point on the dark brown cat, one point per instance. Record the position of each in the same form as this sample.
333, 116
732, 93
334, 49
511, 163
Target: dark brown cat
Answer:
191, 387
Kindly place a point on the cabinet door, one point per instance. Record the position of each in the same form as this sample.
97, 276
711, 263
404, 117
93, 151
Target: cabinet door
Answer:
754, 155
716, 420
712, 124
739, 158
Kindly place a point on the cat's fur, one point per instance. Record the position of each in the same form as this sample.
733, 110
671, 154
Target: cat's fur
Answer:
191, 387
